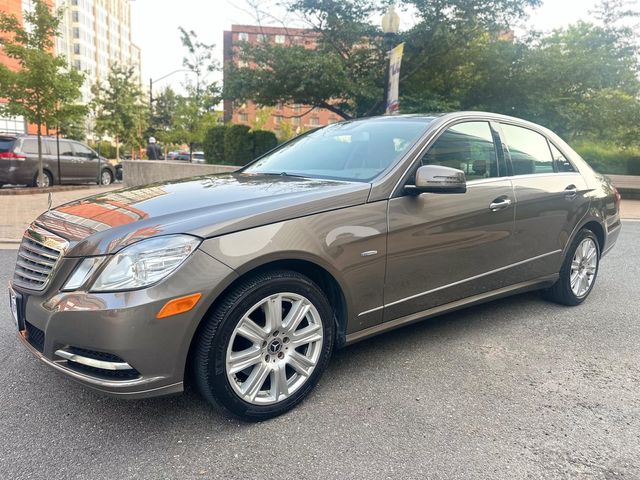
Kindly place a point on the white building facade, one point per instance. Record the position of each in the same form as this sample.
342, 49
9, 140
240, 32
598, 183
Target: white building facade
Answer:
95, 35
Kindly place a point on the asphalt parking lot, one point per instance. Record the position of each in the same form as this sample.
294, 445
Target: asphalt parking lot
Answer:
518, 388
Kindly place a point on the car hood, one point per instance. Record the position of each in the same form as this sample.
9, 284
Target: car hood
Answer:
205, 206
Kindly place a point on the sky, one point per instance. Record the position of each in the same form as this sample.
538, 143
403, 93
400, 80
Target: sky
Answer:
155, 27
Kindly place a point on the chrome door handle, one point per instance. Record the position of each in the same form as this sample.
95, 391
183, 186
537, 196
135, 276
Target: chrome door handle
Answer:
500, 204
571, 191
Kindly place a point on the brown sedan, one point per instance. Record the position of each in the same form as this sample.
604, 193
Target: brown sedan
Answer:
249, 280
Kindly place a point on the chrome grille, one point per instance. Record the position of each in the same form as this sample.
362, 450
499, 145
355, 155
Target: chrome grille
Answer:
38, 255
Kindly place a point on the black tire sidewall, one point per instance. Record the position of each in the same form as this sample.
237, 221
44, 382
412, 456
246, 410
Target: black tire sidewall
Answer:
565, 274
218, 383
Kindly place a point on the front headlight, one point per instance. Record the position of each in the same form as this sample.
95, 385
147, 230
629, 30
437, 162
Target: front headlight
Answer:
145, 263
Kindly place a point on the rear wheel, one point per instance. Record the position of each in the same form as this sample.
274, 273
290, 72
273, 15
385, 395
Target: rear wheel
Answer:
579, 270
265, 346
105, 177
47, 179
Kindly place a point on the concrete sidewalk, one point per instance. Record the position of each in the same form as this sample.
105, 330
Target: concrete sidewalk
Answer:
18, 211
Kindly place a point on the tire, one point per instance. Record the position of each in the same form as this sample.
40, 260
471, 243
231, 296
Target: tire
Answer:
574, 263
106, 177
258, 391
47, 178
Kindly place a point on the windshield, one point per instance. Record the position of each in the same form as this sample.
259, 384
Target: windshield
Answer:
357, 150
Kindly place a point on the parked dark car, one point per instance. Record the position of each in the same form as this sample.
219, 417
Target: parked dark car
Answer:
78, 162
249, 280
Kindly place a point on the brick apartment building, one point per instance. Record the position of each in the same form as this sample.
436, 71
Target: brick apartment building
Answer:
298, 116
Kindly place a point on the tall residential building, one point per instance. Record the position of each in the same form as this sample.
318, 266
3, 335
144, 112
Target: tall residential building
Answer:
96, 34
298, 116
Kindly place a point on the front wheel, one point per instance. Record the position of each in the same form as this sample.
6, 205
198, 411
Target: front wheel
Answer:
265, 346
579, 270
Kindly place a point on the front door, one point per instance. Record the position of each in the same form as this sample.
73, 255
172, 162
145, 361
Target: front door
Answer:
68, 162
444, 247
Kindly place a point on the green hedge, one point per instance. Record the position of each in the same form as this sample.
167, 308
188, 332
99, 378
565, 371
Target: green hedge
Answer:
105, 149
236, 144
610, 159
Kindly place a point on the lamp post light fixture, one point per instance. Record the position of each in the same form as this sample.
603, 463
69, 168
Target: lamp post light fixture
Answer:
390, 27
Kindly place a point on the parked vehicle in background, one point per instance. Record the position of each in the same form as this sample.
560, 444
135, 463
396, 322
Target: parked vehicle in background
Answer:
78, 163
198, 157
182, 155
246, 281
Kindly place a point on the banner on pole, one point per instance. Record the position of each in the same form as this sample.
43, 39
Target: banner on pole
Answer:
395, 58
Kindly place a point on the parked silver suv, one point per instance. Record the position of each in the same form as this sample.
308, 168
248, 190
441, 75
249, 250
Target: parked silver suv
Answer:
78, 163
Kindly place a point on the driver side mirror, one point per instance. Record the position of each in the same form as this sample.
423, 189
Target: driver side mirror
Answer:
438, 179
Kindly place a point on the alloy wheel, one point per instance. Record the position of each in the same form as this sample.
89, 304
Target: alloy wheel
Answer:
105, 178
584, 267
274, 348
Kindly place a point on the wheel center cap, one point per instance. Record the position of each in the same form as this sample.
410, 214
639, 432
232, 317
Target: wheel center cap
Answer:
275, 346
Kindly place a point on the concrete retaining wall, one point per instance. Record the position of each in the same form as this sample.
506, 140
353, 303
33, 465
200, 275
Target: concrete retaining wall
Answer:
141, 172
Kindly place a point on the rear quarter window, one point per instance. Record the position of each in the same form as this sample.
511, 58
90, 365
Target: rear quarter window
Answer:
6, 144
30, 146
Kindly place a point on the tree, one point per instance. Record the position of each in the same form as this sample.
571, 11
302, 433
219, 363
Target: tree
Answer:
194, 115
44, 87
163, 114
345, 73
119, 107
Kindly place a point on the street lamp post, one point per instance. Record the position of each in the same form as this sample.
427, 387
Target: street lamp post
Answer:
390, 28
151, 82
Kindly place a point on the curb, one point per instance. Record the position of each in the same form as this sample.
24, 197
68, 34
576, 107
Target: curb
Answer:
54, 189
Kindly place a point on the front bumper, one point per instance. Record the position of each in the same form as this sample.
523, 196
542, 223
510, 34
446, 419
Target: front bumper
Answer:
121, 328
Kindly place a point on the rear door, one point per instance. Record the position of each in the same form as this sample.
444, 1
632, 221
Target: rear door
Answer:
551, 198
444, 247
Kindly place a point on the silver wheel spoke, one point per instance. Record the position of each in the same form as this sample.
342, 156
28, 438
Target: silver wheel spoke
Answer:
273, 313
254, 383
252, 331
309, 334
279, 384
238, 361
300, 363
298, 311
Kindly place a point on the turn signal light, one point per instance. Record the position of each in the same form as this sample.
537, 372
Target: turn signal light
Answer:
179, 305
616, 197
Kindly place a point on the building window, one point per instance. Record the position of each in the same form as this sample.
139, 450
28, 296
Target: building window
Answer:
277, 120
297, 107
76, 48
279, 38
76, 32
75, 17
297, 39
279, 106
243, 37
243, 117
263, 38
315, 121
295, 121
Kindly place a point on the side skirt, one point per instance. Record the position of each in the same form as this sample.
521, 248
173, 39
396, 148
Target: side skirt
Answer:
530, 285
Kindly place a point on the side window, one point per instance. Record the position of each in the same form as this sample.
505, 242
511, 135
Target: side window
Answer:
65, 148
468, 147
83, 152
562, 164
529, 150
30, 146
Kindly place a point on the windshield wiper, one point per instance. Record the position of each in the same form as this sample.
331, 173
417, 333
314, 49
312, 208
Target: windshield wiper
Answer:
282, 174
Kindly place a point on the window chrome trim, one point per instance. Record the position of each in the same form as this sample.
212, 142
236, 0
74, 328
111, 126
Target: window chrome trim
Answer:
464, 280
